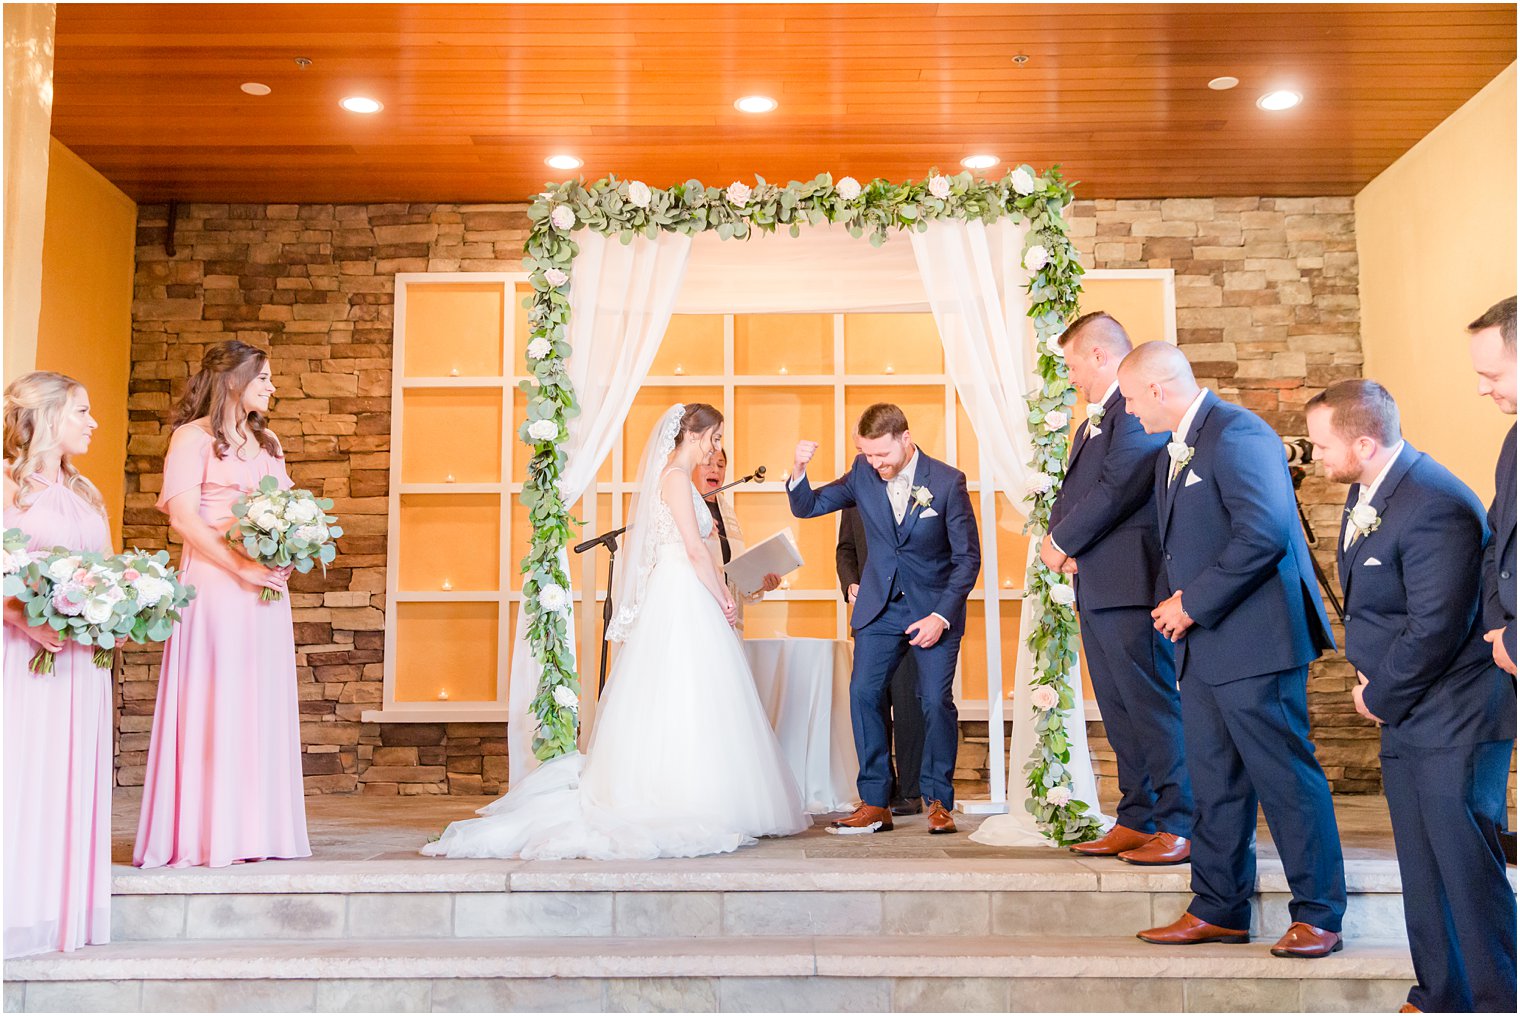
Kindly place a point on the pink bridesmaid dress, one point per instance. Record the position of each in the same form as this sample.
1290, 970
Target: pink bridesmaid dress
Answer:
58, 758
223, 782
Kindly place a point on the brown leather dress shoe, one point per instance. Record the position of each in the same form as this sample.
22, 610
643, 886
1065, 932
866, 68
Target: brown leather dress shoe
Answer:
1305, 941
1115, 841
1409, 1007
1189, 930
939, 819
1161, 849
867, 819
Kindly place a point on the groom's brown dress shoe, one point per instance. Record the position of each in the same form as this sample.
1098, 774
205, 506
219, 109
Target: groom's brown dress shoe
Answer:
1409, 1007
866, 819
939, 819
1115, 841
1161, 849
1305, 941
1189, 930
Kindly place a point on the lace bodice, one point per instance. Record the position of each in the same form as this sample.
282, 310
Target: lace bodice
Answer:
665, 531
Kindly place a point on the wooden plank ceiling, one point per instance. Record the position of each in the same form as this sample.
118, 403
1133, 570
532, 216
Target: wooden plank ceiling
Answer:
477, 96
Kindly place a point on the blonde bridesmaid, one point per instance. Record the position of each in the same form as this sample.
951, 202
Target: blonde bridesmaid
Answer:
58, 752
224, 782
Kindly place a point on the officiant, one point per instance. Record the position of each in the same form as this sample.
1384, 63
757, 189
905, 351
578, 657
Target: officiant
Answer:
726, 541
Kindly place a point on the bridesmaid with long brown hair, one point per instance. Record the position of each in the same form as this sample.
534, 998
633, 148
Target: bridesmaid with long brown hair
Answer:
58, 751
224, 766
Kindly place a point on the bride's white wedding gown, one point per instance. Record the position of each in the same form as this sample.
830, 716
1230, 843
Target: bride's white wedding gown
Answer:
683, 760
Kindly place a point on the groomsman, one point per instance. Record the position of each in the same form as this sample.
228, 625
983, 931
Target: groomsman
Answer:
1492, 344
1411, 547
1103, 526
1247, 619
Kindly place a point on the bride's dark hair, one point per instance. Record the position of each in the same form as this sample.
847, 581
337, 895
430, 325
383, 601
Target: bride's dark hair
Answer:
699, 416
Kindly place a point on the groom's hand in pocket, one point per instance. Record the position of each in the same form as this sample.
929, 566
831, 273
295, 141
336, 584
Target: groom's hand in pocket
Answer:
926, 631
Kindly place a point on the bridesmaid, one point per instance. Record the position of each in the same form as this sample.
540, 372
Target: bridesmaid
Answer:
58, 751
224, 782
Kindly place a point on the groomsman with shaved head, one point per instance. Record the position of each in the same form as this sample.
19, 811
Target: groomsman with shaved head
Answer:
1245, 614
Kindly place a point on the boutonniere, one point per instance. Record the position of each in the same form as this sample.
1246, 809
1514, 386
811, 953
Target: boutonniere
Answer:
1364, 519
1180, 452
921, 496
1094, 417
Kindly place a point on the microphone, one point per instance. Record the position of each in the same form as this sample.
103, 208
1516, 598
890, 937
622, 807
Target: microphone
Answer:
759, 474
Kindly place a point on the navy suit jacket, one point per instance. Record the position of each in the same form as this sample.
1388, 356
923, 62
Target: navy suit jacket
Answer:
933, 559
1232, 542
1412, 594
1499, 560
1105, 512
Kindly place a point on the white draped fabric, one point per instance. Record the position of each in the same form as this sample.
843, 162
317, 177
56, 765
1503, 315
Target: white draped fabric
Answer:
621, 299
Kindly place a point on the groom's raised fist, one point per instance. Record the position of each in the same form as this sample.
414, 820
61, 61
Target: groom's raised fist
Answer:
805, 452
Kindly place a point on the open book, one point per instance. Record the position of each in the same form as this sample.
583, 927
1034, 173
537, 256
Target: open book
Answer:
773, 555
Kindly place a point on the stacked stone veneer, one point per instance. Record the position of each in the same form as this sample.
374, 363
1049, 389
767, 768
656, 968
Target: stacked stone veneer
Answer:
1267, 310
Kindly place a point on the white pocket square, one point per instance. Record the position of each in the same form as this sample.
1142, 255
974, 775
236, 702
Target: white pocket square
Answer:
1192, 478
1094, 431
1371, 562
928, 513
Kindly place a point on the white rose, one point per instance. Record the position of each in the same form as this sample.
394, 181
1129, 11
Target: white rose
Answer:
1365, 517
939, 186
543, 430
1023, 183
565, 697
1063, 594
1095, 413
15, 560
739, 194
113, 593
1044, 697
1058, 796
270, 523
848, 189
1036, 257
1040, 483
303, 512
315, 533
562, 218
62, 568
1179, 452
151, 590
553, 597
539, 348
555, 277
1054, 348
639, 194
97, 610
1055, 419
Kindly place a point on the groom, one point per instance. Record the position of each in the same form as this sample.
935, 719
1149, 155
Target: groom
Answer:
923, 559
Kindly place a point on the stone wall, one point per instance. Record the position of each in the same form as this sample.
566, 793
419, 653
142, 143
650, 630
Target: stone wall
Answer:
1267, 310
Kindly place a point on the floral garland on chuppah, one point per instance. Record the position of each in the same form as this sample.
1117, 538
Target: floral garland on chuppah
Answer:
624, 209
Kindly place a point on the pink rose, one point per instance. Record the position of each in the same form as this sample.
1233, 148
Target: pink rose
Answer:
131, 575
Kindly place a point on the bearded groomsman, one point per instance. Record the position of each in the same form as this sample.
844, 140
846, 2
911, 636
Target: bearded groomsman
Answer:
1247, 619
1410, 558
1103, 525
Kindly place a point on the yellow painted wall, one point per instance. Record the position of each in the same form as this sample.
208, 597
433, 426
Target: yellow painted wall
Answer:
1435, 236
86, 323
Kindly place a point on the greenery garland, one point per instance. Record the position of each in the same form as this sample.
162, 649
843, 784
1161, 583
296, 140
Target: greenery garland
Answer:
625, 209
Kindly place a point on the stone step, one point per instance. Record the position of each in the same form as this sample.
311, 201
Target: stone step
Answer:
798, 974
695, 898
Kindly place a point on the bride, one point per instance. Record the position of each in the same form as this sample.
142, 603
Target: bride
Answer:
683, 760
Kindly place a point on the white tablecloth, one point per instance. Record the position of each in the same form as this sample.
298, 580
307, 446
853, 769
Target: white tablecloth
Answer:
804, 685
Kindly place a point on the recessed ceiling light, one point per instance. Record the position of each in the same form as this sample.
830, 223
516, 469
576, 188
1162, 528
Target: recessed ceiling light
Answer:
563, 162
255, 88
1279, 100
361, 104
1021, 58
756, 104
980, 161
1223, 83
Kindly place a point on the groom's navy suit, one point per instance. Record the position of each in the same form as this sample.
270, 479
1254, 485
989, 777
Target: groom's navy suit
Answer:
927, 565
1413, 627
1105, 517
1232, 542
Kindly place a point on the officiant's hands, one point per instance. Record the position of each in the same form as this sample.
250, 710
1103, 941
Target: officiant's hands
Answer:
805, 452
926, 631
770, 583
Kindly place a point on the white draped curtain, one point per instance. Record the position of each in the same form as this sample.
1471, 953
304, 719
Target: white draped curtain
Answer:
621, 299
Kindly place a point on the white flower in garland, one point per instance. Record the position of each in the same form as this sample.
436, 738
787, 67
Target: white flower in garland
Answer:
563, 218
639, 194
543, 430
738, 194
1055, 419
848, 189
556, 277
1036, 257
1058, 796
1023, 183
1364, 519
553, 598
1040, 483
1044, 697
1062, 594
939, 186
539, 348
565, 697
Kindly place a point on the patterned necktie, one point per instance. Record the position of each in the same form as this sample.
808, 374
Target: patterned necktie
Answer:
717, 514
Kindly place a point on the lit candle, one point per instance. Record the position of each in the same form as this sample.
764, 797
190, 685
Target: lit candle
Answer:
782, 370
443, 695
449, 478
680, 370
453, 372
447, 585
891, 369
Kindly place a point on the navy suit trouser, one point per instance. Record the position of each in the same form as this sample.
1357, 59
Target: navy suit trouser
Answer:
1135, 682
1448, 807
879, 648
1248, 743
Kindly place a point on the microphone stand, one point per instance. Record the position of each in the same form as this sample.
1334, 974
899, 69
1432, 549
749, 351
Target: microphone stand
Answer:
1297, 474
609, 540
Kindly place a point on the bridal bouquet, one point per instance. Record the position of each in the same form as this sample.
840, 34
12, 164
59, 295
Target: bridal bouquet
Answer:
280, 528
94, 599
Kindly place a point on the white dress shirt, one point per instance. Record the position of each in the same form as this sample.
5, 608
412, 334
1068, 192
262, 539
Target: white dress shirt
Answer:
1367, 493
1181, 433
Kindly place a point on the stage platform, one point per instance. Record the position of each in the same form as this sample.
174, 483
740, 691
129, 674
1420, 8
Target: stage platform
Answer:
895, 922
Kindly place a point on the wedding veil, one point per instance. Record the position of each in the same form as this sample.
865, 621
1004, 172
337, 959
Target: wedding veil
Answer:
639, 542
